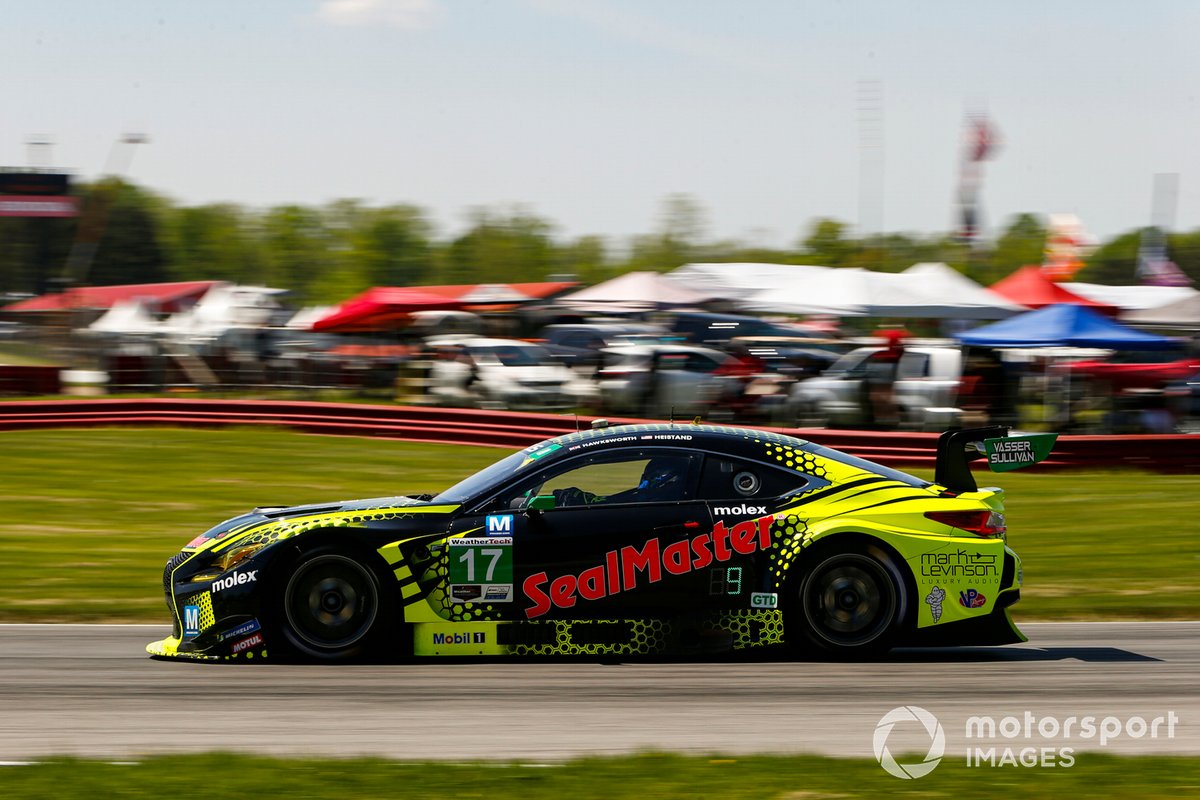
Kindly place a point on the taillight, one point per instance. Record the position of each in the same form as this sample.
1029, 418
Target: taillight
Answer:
988, 524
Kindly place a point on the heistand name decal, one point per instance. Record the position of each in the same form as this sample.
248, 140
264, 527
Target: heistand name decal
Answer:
619, 572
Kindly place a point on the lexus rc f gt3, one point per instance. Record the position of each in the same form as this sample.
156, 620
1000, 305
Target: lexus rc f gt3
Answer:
620, 541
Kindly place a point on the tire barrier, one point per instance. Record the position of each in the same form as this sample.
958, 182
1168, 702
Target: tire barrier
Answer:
1164, 453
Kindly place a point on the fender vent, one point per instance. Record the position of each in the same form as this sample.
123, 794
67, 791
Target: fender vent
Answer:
1010, 571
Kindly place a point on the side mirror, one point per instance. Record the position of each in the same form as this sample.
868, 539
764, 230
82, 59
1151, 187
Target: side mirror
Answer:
543, 502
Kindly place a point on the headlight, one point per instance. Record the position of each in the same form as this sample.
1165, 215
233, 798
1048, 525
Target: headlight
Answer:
237, 555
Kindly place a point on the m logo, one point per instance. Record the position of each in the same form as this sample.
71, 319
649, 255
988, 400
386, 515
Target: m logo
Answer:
191, 620
500, 525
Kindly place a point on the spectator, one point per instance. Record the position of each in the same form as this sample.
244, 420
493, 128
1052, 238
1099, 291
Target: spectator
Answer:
881, 379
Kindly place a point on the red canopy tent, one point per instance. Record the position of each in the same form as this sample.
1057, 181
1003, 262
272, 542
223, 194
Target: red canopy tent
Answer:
1030, 287
168, 297
384, 307
388, 307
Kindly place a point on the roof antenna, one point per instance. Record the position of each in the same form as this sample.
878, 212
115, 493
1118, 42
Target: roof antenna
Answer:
671, 418
577, 422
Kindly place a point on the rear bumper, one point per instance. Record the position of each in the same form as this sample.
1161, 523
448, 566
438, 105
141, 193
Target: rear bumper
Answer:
995, 628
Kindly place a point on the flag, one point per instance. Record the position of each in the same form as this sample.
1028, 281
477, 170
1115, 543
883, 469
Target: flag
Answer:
1154, 268
982, 139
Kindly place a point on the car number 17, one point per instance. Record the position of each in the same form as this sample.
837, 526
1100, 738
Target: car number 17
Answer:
492, 553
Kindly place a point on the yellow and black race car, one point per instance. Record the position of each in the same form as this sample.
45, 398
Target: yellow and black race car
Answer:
639, 539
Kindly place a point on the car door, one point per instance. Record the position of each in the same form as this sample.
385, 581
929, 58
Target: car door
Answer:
601, 548
743, 496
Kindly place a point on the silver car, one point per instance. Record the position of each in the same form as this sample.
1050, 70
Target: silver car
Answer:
659, 380
925, 390
498, 374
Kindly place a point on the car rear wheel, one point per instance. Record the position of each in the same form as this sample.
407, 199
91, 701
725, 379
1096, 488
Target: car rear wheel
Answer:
848, 604
331, 606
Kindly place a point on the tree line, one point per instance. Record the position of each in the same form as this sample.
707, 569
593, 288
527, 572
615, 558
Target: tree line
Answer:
328, 253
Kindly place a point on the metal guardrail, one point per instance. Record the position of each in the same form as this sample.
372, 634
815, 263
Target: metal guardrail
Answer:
1165, 453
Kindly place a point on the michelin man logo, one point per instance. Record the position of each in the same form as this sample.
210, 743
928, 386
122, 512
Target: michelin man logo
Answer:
935, 598
937, 742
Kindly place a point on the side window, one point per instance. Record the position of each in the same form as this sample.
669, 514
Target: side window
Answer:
912, 365
700, 363
637, 477
733, 479
601, 480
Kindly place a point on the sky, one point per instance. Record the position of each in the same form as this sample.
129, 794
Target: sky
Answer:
769, 113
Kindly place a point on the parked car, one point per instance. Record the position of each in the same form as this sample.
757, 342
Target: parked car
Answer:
715, 330
1183, 402
580, 345
500, 373
1128, 369
926, 390
770, 366
658, 380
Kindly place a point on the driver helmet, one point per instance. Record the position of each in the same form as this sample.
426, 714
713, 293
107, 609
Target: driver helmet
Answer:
660, 473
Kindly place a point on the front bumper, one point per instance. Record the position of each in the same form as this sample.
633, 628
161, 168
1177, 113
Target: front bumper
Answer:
215, 616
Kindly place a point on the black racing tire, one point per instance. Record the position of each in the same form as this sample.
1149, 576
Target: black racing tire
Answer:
331, 606
846, 604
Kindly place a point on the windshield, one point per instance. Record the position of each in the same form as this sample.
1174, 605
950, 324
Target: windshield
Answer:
869, 466
483, 480
850, 361
512, 355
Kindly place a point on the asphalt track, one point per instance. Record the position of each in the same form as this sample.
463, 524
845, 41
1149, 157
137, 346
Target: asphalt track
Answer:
90, 690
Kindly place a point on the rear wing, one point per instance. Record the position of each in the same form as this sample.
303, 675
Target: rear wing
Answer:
958, 447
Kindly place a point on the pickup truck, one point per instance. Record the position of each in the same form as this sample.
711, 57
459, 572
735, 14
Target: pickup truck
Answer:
926, 391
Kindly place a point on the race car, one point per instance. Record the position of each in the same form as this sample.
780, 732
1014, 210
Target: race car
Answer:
620, 541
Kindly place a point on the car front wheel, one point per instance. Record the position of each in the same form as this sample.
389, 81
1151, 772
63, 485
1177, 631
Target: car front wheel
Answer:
331, 606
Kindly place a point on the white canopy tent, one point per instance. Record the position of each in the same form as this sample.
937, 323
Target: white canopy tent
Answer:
126, 317
925, 291
739, 280
1132, 298
226, 306
967, 299
637, 290
1184, 313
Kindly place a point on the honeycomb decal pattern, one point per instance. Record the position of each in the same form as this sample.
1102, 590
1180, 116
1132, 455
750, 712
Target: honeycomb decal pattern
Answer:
793, 457
648, 637
204, 601
743, 625
435, 579
789, 536
287, 528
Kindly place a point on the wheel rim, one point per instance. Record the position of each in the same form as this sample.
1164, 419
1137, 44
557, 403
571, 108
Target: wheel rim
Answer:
331, 602
849, 600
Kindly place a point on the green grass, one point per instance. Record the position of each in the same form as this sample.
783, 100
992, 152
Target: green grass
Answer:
643, 777
90, 516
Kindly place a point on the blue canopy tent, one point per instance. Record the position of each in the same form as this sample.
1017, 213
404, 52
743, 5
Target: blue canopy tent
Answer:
1064, 325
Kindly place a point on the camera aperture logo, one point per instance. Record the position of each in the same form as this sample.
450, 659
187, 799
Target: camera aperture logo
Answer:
937, 742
